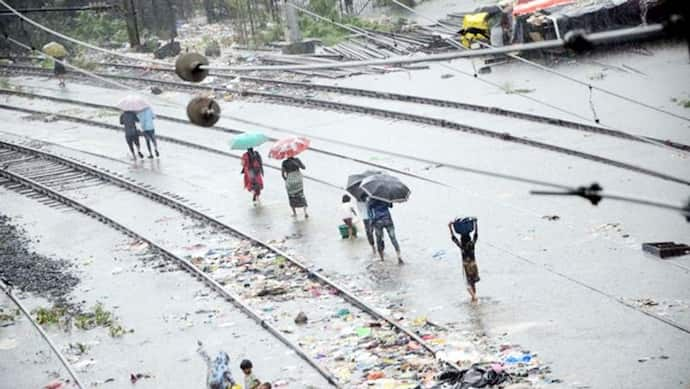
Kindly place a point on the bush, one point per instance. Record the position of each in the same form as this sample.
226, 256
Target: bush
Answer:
100, 28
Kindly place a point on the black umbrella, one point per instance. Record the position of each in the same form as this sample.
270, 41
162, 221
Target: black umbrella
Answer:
385, 188
355, 180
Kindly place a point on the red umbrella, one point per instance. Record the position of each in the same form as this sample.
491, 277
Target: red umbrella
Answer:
288, 147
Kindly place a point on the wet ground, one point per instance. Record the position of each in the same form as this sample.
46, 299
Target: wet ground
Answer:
557, 287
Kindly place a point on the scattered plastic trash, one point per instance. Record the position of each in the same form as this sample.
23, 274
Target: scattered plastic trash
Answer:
134, 377
55, 384
551, 217
517, 358
301, 318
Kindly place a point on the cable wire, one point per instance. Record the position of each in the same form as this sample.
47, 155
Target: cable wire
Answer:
76, 41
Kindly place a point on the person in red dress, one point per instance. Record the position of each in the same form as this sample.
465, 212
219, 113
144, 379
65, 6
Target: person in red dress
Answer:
253, 170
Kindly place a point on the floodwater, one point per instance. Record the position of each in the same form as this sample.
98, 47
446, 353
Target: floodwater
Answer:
556, 287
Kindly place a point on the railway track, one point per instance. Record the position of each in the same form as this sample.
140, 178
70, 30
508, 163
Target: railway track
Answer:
359, 92
578, 126
194, 145
25, 312
507, 137
386, 342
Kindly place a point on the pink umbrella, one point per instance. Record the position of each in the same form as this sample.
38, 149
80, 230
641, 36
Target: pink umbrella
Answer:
288, 147
133, 103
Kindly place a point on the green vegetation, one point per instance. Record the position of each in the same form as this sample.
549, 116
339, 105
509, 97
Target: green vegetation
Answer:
8, 315
99, 317
48, 316
99, 28
329, 33
4, 84
685, 103
83, 320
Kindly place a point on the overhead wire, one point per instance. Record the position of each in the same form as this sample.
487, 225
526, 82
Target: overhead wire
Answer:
88, 73
371, 36
589, 86
77, 41
671, 323
475, 75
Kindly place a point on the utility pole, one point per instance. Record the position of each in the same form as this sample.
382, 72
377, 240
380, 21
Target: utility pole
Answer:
132, 27
292, 32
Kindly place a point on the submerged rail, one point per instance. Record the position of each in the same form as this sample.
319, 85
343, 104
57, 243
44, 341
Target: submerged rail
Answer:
146, 191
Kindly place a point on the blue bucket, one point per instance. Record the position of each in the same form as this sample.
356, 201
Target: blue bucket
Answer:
464, 225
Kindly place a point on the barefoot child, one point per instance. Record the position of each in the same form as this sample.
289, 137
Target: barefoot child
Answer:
250, 381
348, 214
464, 227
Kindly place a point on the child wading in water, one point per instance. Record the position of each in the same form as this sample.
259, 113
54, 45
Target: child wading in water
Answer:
466, 245
250, 380
348, 214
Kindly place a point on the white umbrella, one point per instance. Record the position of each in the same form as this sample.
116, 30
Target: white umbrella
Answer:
133, 103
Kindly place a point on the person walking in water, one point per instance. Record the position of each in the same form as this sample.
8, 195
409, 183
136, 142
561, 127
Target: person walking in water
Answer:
129, 120
59, 70
253, 170
146, 119
218, 375
466, 245
363, 212
380, 218
294, 184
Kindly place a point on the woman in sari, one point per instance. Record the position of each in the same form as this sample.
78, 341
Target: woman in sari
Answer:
294, 184
253, 170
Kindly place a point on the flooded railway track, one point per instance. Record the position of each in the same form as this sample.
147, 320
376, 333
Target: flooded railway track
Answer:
7, 290
344, 107
386, 114
362, 331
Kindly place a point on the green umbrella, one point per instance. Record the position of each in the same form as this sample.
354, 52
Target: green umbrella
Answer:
247, 140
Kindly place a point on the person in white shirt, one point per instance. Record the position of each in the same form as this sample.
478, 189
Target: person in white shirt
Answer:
362, 208
348, 214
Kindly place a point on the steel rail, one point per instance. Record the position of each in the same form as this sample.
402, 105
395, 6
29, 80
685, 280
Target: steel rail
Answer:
312, 148
394, 96
492, 110
447, 125
183, 263
180, 142
8, 291
190, 211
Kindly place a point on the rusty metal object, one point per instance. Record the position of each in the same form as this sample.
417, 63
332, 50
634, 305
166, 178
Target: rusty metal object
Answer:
188, 67
203, 111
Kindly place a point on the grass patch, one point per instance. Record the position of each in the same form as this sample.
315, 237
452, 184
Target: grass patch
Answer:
55, 315
96, 317
685, 103
8, 315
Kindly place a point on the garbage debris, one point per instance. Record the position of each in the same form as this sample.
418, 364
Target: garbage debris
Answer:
301, 318
134, 377
666, 249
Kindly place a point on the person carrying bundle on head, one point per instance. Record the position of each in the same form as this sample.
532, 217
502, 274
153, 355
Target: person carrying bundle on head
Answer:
465, 228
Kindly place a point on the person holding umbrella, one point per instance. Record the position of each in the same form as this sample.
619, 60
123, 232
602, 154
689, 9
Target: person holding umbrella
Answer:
252, 165
290, 170
353, 183
130, 105
146, 117
58, 52
383, 190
